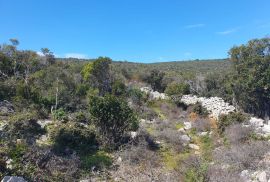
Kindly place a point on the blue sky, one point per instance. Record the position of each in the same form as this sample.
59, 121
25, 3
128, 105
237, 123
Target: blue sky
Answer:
135, 30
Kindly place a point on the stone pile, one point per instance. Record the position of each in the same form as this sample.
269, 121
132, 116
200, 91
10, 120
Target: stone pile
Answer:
261, 127
154, 95
214, 105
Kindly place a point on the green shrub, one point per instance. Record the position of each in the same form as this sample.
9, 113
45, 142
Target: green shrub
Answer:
200, 110
73, 136
137, 96
113, 118
227, 120
177, 89
118, 88
81, 117
60, 115
81, 90
99, 160
24, 126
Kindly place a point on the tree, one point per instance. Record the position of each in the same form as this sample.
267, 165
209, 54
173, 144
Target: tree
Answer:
155, 80
98, 74
49, 56
251, 85
113, 118
6, 66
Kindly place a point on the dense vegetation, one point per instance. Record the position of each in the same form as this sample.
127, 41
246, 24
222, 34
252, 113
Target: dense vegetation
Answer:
70, 119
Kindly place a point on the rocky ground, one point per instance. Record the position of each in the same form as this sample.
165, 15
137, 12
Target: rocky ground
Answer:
175, 144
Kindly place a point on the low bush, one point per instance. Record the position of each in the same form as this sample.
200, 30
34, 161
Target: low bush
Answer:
201, 125
227, 120
73, 136
238, 134
60, 115
113, 118
242, 157
96, 160
200, 110
177, 89
24, 126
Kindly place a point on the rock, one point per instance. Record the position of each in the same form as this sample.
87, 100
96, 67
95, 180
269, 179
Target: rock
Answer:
6, 108
214, 105
245, 174
193, 146
119, 159
203, 133
44, 123
185, 138
197, 153
256, 122
13, 179
181, 130
266, 129
154, 95
133, 134
9, 163
261, 176
187, 125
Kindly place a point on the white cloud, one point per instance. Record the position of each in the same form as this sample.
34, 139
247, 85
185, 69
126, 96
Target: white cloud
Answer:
226, 32
199, 25
76, 55
39, 53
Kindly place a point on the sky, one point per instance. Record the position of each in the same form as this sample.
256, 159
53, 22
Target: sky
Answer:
134, 30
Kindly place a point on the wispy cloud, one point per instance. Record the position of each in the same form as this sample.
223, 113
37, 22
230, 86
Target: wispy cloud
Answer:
76, 55
227, 32
199, 25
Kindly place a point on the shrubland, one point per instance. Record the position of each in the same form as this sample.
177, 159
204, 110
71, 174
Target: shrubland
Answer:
71, 119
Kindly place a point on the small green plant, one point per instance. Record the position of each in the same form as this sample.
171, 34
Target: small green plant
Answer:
177, 89
60, 115
99, 160
200, 110
197, 173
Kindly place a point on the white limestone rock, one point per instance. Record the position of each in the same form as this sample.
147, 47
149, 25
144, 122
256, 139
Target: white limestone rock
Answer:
193, 146
187, 125
256, 122
185, 138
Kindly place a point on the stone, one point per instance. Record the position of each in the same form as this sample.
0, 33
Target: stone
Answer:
154, 95
119, 159
193, 146
44, 123
181, 130
187, 125
185, 138
214, 105
256, 122
203, 133
9, 163
245, 174
261, 176
266, 129
133, 134
13, 179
